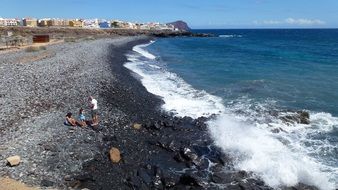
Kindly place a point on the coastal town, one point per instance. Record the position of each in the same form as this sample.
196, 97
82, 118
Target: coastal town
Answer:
22, 33
84, 23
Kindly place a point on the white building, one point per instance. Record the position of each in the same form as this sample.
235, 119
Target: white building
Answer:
8, 22
90, 23
2, 22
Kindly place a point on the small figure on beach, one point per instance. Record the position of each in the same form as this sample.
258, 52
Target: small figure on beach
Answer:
70, 120
93, 107
82, 118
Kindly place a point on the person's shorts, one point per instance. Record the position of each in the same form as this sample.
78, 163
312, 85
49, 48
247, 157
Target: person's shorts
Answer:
94, 113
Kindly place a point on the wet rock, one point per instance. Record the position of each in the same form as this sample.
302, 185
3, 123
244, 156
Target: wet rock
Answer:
109, 138
216, 156
173, 146
84, 177
47, 183
75, 184
178, 158
218, 178
188, 154
68, 178
157, 125
169, 123
301, 117
168, 145
157, 182
304, 117
134, 182
49, 147
170, 180
235, 187
190, 180
13, 160
115, 155
202, 164
142, 173
301, 186
277, 130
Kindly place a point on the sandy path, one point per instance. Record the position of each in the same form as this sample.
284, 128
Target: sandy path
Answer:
10, 184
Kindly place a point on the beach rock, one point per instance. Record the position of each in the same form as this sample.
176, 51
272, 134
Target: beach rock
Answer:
109, 138
142, 173
68, 178
168, 145
202, 164
304, 117
178, 158
14, 160
137, 126
188, 154
157, 125
115, 155
134, 182
46, 183
191, 180
157, 182
301, 117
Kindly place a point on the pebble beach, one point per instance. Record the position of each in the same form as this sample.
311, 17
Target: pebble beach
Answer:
155, 149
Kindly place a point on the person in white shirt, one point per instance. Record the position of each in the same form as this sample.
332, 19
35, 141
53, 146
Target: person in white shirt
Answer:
93, 107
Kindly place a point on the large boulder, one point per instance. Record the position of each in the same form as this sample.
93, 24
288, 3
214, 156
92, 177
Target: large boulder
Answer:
14, 160
114, 155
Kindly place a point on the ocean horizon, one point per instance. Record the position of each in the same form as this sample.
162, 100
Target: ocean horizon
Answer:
252, 79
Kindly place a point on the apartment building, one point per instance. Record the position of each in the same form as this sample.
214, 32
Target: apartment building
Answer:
30, 22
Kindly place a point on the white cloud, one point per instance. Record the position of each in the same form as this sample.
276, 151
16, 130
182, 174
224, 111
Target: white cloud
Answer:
304, 21
271, 22
291, 21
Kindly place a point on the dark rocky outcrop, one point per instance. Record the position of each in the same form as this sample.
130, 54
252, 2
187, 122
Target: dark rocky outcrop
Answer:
181, 25
301, 117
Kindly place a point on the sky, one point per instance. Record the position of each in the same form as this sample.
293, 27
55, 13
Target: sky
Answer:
198, 14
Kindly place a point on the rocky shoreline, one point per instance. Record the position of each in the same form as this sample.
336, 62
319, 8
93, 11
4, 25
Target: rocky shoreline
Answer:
64, 33
162, 152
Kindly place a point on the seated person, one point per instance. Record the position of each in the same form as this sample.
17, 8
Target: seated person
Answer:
82, 118
70, 120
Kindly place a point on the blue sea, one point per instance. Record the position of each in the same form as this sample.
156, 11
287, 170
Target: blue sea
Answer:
250, 79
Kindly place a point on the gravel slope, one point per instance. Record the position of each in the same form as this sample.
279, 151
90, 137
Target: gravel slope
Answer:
35, 96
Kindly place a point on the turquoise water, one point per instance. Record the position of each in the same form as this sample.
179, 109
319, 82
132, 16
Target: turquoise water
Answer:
249, 79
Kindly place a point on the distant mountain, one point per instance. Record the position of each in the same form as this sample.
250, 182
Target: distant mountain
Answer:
181, 25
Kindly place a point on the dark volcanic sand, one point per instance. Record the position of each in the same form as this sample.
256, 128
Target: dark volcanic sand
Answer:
165, 153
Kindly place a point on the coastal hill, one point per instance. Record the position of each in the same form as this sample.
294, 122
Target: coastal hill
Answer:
181, 25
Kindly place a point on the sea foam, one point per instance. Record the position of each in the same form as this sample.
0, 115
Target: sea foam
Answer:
230, 36
280, 159
180, 98
145, 53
